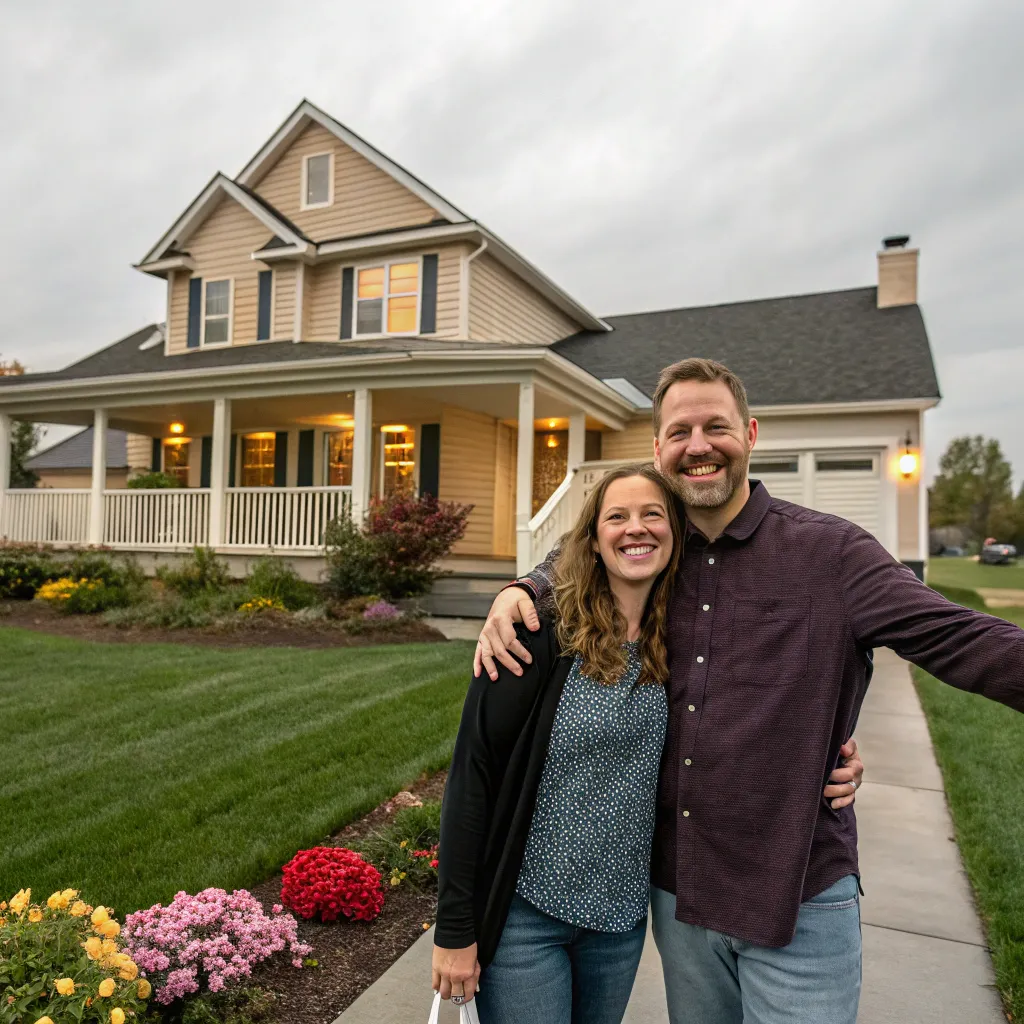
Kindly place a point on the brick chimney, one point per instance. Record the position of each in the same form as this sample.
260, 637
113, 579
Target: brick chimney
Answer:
897, 273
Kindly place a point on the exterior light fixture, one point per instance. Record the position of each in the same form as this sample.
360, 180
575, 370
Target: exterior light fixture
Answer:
552, 441
177, 428
394, 428
552, 424
909, 460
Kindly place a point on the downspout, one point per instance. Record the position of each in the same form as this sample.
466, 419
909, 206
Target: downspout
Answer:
464, 291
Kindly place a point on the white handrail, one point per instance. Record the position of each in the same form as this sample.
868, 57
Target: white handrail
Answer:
552, 520
282, 517
46, 515
171, 518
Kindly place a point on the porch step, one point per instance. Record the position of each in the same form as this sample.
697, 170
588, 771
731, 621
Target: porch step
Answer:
465, 595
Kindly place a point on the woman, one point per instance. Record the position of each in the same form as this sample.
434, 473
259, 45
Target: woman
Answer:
548, 815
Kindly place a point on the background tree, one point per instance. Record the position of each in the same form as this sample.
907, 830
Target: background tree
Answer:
25, 437
973, 489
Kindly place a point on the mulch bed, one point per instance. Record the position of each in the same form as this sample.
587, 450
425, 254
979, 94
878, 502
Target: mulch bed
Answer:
350, 956
268, 629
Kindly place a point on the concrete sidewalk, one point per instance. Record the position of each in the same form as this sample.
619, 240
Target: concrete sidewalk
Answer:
924, 953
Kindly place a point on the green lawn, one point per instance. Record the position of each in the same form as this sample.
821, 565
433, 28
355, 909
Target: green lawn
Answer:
980, 748
132, 771
963, 572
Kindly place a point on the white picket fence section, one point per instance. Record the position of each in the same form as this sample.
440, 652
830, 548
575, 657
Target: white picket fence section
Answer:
282, 517
156, 519
46, 516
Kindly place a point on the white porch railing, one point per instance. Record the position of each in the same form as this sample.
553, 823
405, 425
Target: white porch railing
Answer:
46, 516
156, 519
282, 517
554, 518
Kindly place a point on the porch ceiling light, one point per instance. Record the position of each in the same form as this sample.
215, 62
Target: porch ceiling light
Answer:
177, 428
394, 428
909, 460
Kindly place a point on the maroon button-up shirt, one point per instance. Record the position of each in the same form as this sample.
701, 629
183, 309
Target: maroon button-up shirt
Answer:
770, 633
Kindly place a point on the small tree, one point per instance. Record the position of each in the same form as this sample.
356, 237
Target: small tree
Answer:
973, 489
25, 437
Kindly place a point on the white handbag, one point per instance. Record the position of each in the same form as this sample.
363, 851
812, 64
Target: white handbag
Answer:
467, 1011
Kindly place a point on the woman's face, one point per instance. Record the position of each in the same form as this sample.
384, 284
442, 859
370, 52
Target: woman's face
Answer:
634, 536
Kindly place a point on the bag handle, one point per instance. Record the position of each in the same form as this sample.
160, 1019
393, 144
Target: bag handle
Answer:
467, 1011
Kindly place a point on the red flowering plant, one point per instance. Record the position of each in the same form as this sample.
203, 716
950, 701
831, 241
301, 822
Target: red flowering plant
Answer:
332, 881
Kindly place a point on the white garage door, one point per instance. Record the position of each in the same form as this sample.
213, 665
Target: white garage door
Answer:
841, 483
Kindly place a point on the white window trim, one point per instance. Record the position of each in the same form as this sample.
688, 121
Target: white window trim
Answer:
387, 264
303, 205
203, 343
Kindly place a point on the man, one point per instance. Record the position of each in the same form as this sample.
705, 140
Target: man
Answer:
776, 610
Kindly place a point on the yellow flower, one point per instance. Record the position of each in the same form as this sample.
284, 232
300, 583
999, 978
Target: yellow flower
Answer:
109, 947
3, 921
402, 875
107, 987
65, 986
44, 1020
109, 929
99, 915
79, 909
3, 905
54, 902
117, 1015
395, 880
21, 900
93, 946
35, 915
145, 989
403, 844
129, 971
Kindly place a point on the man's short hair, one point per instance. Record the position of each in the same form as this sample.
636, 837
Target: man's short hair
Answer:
706, 371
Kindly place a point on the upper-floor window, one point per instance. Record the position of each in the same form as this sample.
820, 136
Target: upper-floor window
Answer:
217, 313
317, 180
387, 299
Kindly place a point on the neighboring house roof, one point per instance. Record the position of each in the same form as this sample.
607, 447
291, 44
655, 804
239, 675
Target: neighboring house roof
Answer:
75, 452
833, 347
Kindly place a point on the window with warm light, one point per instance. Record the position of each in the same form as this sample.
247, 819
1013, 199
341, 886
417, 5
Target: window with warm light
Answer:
398, 446
339, 458
258, 459
387, 299
176, 460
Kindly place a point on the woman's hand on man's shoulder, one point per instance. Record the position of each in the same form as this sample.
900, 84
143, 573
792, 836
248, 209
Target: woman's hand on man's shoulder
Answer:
499, 643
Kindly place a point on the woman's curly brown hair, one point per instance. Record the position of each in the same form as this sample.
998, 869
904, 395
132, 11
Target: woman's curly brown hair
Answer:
589, 622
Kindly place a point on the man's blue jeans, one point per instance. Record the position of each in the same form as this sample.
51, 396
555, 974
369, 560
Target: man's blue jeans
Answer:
548, 972
712, 978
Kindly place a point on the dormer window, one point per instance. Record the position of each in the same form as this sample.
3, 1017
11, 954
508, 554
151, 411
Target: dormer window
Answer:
317, 180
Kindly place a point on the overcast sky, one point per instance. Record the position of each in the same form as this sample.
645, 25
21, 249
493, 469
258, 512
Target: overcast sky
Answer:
645, 155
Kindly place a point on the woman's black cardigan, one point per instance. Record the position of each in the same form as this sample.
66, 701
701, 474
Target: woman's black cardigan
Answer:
491, 792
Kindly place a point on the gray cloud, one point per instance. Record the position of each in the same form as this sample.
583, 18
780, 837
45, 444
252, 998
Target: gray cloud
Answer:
645, 156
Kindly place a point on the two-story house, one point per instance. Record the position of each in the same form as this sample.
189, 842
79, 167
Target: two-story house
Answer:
335, 329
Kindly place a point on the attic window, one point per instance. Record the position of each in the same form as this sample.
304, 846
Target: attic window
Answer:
317, 180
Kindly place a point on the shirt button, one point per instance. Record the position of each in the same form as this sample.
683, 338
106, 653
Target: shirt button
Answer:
707, 607
700, 659
686, 814
692, 708
711, 561
687, 762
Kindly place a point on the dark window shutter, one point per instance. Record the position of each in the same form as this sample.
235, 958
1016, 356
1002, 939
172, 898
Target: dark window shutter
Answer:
281, 459
232, 460
195, 309
348, 277
304, 470
428, 301
266, 287
205, 461
157, 458
430, 458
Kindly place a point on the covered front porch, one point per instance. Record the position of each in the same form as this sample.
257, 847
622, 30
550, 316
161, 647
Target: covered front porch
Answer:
264, 469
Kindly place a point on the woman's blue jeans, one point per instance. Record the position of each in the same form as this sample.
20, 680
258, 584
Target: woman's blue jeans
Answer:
548, 972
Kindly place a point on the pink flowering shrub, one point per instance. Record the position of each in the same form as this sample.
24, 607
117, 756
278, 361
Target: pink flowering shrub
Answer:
207, 941
381, 611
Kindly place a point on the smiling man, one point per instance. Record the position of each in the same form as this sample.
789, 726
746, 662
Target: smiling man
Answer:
776, 609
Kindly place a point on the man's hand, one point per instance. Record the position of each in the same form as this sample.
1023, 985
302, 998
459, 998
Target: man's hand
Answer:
456, 972
845, 781
498, 637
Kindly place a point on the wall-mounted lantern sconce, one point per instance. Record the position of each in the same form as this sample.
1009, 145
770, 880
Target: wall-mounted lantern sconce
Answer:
177, 428
909, 460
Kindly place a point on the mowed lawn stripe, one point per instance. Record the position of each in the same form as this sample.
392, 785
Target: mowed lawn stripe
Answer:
134, 771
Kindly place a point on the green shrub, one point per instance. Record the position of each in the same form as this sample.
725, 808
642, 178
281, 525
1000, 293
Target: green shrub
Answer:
24, 570
962, 595
172, 611
201, 572
233, 1006
115, 571
351, 560
406, 848
272, 578
153, 482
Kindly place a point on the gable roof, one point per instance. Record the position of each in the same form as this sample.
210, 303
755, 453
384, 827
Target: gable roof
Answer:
221, 185
307, 113
832, 347
75, 452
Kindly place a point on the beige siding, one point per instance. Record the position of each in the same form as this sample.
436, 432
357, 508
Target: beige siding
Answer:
68, 479
140, 452
366, 199
468, 442
504, 308
178, 339
222, 248
323, 301
449, 275
505, 462
635, 442
284, 302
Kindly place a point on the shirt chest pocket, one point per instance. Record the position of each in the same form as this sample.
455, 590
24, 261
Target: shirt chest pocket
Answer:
769, 641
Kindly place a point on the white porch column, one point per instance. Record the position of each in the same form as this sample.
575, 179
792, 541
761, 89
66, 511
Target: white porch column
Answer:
220, 460
99, 476
5, 467
577, 439
362, 452
524, 480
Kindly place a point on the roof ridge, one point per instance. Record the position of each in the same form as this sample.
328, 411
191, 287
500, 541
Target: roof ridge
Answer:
270, 208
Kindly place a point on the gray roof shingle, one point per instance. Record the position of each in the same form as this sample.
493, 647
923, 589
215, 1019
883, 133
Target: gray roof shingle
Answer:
803, 349
75, 452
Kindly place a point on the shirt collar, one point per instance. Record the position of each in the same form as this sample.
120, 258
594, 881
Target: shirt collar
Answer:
749, 517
